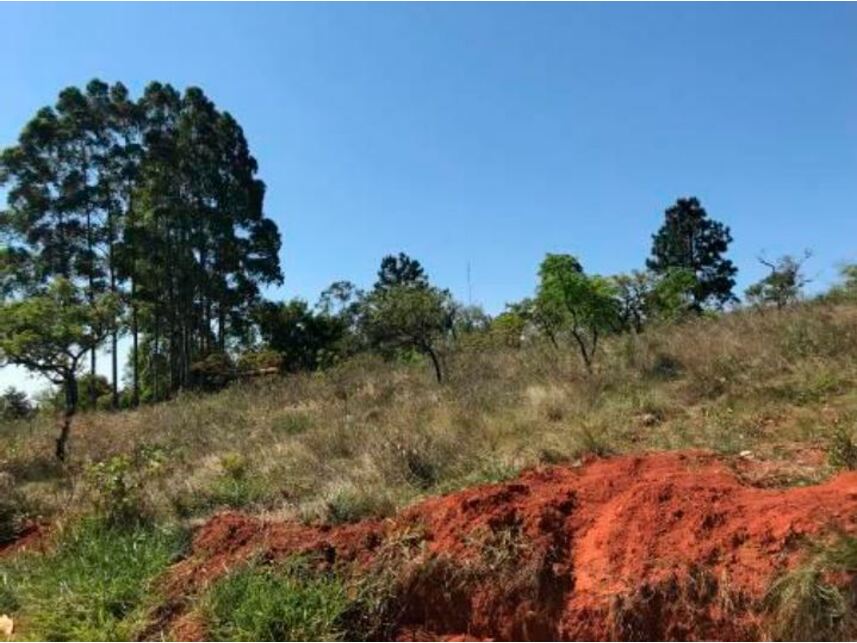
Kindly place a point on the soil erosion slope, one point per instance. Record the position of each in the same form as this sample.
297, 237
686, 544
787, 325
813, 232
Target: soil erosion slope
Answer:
659, 546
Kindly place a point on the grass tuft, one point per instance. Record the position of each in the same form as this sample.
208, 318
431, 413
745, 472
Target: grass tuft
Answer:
283, 602
93, 586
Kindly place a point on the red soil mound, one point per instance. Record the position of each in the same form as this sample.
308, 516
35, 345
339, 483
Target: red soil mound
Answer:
663, 546
32, 537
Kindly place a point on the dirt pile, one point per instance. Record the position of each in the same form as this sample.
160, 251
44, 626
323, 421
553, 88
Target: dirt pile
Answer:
661, 546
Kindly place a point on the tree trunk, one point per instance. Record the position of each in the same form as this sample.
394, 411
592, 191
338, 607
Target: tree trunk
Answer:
68, 414
584, 352
135, 396
436, 362
114, 335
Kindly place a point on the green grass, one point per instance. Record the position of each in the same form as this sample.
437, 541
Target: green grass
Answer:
808, 605
283, 602
94, 586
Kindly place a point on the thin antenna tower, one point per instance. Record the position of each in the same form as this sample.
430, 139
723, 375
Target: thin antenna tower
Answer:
469, 287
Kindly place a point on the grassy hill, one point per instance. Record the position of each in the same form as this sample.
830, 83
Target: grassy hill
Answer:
368, 438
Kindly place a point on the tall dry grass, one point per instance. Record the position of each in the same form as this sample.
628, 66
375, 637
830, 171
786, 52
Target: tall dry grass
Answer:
370, 436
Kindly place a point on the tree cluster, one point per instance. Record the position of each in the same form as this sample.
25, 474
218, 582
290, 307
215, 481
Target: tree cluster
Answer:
130, 216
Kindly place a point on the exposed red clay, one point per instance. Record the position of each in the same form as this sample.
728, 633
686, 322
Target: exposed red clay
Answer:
658, 546
31, 538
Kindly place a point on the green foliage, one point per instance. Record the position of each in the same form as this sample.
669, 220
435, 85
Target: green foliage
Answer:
782, 286
93, 586
14, 405
352, 505
305, 340
407, 317
118, 484
842, 450
582, 305
646, 297
846, 290
154, 202
400, 271
690, 240
291, 423
805, 603
283, 602
49, 333
508, 328
213, 372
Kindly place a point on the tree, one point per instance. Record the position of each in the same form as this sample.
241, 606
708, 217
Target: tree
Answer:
14, 405
49, 333
304, 339
690, 240
784, 283
645, 297
400, 271
582, 305
846, 290
407, 316
508, 327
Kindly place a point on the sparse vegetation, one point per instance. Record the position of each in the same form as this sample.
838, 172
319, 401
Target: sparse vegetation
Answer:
146, 218
809, 604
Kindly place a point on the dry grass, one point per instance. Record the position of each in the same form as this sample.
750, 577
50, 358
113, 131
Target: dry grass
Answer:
370, 436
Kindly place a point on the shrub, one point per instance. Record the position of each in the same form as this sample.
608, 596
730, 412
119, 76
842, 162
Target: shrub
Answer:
354, 505
12, 513
842, 451
119, 483
14, 405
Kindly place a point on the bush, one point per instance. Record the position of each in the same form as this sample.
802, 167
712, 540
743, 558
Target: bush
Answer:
354, 505
286, 602
842, 451
119, 482
12, 513
14, 405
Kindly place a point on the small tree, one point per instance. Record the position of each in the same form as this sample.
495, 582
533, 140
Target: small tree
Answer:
671, 297
846, 290
400, 271
645, 297
508, 327
49, 333
783, 285
584, 305
408, 316
689, 240
14, 405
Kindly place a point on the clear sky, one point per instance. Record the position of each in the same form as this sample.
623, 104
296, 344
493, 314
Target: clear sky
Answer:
493, 133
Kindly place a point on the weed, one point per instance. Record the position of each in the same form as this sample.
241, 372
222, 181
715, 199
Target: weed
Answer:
284, 602
291, 423
93, 586
807, 605
352, 505
842, 451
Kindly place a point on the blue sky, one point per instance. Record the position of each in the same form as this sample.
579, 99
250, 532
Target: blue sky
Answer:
493, 133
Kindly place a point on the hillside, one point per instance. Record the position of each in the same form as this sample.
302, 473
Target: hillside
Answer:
551, 475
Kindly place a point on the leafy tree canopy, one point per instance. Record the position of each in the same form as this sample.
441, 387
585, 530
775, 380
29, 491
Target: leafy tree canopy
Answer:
583, 306
691, 241
400, 270
783, 284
